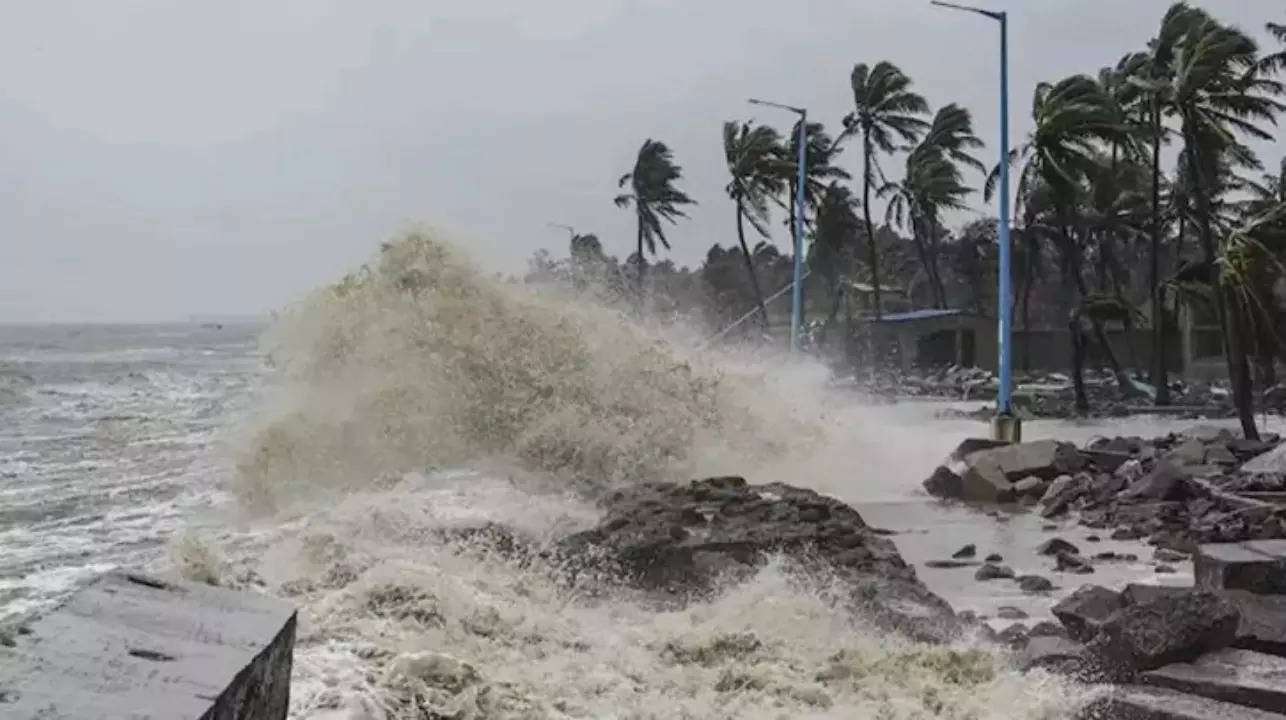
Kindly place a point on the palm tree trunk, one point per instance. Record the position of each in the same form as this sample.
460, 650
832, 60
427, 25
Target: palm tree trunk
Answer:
870, 227
750, 266
642, 262
1160, 379
1234, 352
1078, 363
1100, 336
931, 252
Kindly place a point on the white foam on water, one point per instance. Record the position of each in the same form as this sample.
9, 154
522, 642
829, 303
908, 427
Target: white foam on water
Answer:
421, 361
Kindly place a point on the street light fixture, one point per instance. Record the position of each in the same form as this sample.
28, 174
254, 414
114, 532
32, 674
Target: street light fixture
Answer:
797, 296
1004, 426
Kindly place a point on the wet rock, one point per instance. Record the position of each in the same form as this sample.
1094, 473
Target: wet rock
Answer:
1220, 455
1031, 487
1085, 610
733, 527
1054, 546
948, 564
1112, 556
1258, 566
1168, 629
1189, 452
1167, 555
1072, 563
1053, 654
1049, 527
1146, 702
1167, 481
1269, 463
1129, 471
1093, 538
1062, 492
1046, 628
1011, 613
1243, 677
967, 551
944, 483
991, 571
1015, 636
1032, 584
1165, 570
994, 558
1128, 533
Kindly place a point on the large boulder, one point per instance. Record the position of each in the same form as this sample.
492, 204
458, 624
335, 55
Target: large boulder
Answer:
1084, 611
683, 541
1168, 629
988, 472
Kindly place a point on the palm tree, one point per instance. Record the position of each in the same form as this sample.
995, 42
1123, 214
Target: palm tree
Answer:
820, 170
654, 197
753, 155
1219, 91
1073, 118
933, 182
834, 250
885, 110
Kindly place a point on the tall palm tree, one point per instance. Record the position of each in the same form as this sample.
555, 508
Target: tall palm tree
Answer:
934, 182
753, 155
885, 111
820, 170
654, 197
833, 253
1219, 91
1073, 118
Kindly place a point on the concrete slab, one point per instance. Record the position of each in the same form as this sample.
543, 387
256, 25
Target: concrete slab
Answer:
1242, 677
1251, 566
1144, 702
1271, 462
132, 646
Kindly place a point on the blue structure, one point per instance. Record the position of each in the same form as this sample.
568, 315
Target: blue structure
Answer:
1004, 405
797, 285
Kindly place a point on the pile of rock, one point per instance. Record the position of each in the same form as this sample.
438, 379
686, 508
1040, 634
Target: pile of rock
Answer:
1178, 491
1216, 650
683, 541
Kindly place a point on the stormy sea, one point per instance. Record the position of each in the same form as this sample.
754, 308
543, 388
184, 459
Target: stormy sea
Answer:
336, 455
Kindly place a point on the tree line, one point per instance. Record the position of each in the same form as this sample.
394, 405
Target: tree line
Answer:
1135, 188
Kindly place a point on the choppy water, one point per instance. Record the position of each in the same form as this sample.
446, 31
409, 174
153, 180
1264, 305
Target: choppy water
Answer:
330, 480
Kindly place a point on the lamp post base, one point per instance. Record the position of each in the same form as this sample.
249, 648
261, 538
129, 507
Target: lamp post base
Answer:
1006, 428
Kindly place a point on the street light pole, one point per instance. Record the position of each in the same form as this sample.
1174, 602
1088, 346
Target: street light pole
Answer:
797, 294
1005, 426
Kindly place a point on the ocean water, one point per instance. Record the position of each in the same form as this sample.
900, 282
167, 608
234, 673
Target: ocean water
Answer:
327, 460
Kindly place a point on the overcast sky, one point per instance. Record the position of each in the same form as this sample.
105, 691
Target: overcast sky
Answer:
162, 158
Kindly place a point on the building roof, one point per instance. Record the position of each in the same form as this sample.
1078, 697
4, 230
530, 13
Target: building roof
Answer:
925, 314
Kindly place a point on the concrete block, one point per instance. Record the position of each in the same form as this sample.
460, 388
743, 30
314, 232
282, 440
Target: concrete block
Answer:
1241, 677
1143, 702
1270, 463
133, 646
1258, 566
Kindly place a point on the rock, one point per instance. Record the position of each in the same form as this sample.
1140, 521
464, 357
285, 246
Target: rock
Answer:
969, 446
730, 528
1052, 654
1167, 481
1054, 546
131, 645
1168, 629
1031, 487
1210, 433
1145, 702
1241, 677
1093, 538
1189, 452
948, 564
1106, 460
944, 483
1220, 455
1085, 610
1011, 613
1165, 570
1263, 622
1045, 459
1115, 556
994, 558
967, 551
1048, 629
985, 481
1168, 556
1272, 462
1015, 636
1258, 566
1128, 533
1032, 584
1069, 562
1062, 492
991, 571
1129, 471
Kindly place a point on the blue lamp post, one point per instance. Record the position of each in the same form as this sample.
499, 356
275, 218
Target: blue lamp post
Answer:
797, 295
1005, 426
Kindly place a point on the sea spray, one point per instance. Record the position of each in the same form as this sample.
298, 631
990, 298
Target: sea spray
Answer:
418, 362
419, 359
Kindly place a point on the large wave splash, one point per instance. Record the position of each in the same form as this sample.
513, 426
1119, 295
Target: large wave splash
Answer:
420, 359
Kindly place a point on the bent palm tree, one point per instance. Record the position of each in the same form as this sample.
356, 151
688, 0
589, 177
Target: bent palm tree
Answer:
1219, 91
654, 197
753, 155
885, 110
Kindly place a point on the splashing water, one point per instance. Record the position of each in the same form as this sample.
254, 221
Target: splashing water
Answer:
419, 361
